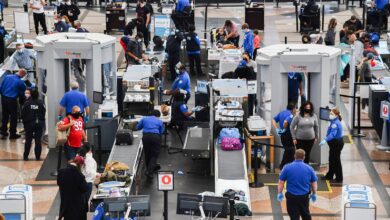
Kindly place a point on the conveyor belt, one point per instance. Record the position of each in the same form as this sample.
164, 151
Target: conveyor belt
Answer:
128, 154
230, 165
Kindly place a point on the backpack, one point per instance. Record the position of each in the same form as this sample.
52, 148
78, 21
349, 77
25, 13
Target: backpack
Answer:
61, 136
228, 132
230, 144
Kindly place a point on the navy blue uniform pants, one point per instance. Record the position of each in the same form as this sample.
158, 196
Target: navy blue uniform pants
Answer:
33, 131
152, 144
9, 114
298, 206
335, 168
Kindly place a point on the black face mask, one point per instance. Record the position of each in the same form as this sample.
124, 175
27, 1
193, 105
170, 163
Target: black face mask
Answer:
76, 115
307, 110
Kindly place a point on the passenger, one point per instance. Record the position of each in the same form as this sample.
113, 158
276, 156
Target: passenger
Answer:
70, 10
304, 129
77, 26
11, 88
250, 63
72, 187
173, 49
330, 37
284, 119
301, 187
74, 98
182, 82
232, 32
89, 170
144, 12
38, 14
33, 116
355, 25
365, 75
295, 89
60, 24
248, 43
74, 122
179, 12
151, 139
134, 51
256, 43
23, 58
158, 44
193, 51
334, 138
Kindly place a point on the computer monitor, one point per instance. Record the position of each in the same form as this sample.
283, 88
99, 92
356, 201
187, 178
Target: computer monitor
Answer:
140, 205
97, 97
215, 206
324, 113
188, 204
202, 86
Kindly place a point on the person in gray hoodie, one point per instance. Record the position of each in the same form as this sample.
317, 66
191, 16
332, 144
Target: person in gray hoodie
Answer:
304, 129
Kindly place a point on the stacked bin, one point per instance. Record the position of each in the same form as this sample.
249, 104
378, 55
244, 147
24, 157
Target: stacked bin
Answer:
16, 202
357, 203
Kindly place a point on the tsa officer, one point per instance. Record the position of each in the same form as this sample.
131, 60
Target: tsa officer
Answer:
301, 187
282, 122
151, 139
182, 82
334, 138
180, 111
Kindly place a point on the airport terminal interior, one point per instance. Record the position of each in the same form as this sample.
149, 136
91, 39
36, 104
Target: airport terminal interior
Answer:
194, 109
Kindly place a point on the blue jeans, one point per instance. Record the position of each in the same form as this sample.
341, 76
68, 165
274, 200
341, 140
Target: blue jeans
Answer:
70, 152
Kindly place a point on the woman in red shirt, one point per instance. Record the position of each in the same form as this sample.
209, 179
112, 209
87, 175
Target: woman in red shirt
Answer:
75, 123
256, 42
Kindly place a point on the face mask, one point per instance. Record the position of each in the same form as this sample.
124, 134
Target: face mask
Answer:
63, 20
20, 50
27, 95
307, 110
68, 3
246, 30
177, 72
139, 40
76, 115
332, 116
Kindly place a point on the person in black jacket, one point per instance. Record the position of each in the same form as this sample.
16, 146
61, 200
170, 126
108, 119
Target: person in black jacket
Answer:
70, 10
173, 48
72, 186
243, 71
33, 116
193, 51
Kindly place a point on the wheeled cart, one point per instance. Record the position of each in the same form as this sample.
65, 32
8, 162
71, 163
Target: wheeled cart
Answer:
16, 202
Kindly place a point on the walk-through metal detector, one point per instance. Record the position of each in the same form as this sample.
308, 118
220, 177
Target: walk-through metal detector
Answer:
96, 75
320, 65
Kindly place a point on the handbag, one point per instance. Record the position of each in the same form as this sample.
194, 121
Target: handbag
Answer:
228, 132
61, 136
230, 144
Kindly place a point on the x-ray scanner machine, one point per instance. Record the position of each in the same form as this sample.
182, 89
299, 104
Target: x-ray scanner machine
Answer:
320, 67
56, 54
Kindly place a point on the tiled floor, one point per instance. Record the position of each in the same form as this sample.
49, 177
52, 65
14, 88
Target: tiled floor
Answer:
280, 22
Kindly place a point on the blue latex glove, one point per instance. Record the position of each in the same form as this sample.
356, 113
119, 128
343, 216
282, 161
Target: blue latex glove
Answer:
86, 119
278, 131
280, 197
313, 197
282, 131
322, 142
60, 117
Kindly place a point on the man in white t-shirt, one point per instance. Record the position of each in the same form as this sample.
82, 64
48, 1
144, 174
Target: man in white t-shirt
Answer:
38, 15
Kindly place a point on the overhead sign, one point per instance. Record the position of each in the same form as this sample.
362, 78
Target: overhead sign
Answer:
385, 108
165, 181
298, 68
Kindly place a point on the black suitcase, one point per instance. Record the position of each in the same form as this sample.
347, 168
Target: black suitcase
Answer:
124, 137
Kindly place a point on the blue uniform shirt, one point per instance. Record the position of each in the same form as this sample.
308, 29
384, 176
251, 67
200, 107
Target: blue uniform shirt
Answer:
181, 4
293, 84
285, 115
248, 43
182, 82
12, 86
197, 41
299, 177
72, 98
184, 109
335, 130
380, 4
151, 124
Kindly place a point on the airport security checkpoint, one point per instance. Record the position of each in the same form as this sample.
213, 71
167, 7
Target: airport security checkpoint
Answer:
184, 109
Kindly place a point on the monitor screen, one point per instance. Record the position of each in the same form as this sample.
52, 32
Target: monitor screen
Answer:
324, 113
188, 204
97, 97
216, 206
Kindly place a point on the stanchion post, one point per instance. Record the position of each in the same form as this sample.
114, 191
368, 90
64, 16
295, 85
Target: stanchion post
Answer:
364, 17
59, 160
231, 209
165, 205
285, 39
205, 21
323, 17
256, 183
296, 15
99, 133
